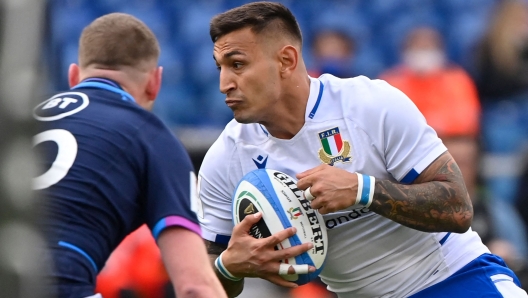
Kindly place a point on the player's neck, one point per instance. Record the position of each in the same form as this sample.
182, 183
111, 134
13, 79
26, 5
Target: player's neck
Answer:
122, 78
289, 113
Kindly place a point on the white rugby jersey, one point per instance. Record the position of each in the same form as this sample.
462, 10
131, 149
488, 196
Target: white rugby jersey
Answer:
359, 125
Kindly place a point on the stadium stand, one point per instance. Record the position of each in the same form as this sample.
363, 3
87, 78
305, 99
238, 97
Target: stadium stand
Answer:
190, 95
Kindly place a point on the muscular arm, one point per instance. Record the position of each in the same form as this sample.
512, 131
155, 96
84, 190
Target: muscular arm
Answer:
185, 258
232, 288
437, 201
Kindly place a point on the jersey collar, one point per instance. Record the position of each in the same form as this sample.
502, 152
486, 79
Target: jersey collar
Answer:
316, 88
105, 84
316, 93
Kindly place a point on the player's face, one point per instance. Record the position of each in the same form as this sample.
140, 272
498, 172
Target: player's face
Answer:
249, 75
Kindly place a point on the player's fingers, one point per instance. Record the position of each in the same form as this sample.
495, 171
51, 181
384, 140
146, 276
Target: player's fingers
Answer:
325, 207
317, 203
280, 236
304, 183
324, 210
276, 279
245, 225
291, 252
308, 194
286, 269
311, 171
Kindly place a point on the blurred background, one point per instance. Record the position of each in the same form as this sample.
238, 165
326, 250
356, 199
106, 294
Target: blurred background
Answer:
463, 63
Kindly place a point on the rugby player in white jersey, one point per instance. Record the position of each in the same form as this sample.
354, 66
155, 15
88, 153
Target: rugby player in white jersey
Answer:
394, 202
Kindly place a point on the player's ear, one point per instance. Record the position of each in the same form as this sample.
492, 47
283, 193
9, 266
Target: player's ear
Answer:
73, 75
288, 57
154, 83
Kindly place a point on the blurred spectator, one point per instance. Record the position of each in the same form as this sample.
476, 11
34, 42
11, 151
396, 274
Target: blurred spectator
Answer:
447, 97
436, 86
502, 81
503, 59
503, 86
522, 206
522, 195
135, 269
314, 289
333, 52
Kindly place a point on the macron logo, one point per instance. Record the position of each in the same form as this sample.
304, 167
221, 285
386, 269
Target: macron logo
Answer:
260, 162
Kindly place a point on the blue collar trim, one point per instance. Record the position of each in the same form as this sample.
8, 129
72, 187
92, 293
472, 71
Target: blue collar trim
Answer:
103, 80
106, 85
316, 106
264, 130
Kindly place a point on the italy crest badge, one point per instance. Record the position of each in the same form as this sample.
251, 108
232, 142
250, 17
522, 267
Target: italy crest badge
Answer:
334, 148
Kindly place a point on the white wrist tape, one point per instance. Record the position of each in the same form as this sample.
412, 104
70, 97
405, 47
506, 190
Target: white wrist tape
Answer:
223, 270
365, 192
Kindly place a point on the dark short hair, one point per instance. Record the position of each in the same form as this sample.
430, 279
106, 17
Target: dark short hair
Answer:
258, 16
116, 40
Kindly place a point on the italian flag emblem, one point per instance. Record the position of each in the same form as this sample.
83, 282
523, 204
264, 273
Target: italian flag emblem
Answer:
334, 148
332, 142
294, 212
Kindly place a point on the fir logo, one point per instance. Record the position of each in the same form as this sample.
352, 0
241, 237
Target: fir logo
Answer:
294, 212
334, 148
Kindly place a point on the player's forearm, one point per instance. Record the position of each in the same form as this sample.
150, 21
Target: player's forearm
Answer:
442, 205
187, 264
232, 288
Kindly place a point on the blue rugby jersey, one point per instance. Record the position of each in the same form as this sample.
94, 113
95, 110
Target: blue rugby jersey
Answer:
109, 166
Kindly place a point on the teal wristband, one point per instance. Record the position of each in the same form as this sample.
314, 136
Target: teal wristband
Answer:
365, 193
223, 270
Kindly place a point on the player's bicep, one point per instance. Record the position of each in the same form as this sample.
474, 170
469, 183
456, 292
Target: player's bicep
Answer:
444, 168
214, 213
409, 145
448, 185
170, 192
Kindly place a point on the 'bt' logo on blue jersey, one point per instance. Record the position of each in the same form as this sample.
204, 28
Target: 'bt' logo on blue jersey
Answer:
60, 106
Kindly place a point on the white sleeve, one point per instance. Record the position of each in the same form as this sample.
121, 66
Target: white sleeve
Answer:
409, 145
215, 191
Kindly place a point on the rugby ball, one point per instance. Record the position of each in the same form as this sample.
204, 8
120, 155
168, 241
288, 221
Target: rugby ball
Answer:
283, 205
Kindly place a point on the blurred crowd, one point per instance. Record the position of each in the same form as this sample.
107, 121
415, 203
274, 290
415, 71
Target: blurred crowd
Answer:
463, 63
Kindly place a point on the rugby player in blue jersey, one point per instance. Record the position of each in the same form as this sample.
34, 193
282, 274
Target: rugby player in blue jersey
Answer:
110, 165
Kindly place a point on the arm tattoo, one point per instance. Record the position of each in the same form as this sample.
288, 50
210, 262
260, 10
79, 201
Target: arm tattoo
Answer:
232, 288
214, 248
438, 202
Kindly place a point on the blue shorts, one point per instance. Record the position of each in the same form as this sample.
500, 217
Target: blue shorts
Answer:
486, 276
